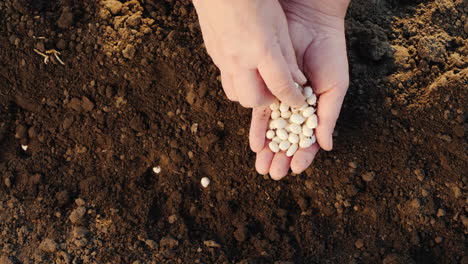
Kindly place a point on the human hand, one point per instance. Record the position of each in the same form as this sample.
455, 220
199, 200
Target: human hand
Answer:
249, 42
316, 28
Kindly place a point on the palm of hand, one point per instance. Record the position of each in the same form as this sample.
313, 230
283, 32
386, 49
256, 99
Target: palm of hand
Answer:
317, 34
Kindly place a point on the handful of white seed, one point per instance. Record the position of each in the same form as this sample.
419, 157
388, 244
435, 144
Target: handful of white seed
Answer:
293, 128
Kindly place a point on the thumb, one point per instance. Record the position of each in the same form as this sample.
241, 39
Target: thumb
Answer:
277, 75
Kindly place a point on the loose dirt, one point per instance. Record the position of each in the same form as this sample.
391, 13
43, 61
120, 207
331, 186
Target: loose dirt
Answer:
138, 90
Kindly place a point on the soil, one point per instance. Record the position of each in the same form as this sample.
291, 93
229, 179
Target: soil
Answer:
138, 90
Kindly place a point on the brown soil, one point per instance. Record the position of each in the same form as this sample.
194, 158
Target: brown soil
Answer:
138, 90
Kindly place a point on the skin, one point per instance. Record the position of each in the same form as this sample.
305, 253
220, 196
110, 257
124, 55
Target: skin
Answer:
250, 43
317, 32
261, 47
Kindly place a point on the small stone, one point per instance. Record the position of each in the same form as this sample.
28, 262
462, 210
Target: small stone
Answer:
129, 52
419, 174
172, 219
359, 243
353, 165
87, 104
77, 215
211, 243
368, 176
7, 182
438, 239
168, 242
80, 202
134, 20
114, 6
21, 132
48, 245
440, 212
151, 244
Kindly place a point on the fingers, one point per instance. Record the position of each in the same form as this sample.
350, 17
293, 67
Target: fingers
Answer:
289, 54
328, 110
279, 166
263, 162
228, 86
258, 127
251, 90
277, 76
303, 158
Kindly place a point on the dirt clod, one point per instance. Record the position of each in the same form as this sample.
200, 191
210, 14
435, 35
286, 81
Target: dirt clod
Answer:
48, 245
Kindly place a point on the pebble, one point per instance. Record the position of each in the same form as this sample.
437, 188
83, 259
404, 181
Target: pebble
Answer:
359, 244
368, 176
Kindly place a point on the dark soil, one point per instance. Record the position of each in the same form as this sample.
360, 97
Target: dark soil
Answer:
138, 90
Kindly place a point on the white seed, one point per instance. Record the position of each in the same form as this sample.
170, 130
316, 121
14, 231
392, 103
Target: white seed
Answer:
298, 86
275, 106
307, 131
293, 138
270, 134
306, 142
157, 169
273, 146
284, 107
292, 150
297, 119
282, 134
277, 140
295, 128
304, 106
286, 114
280, 123
284, 145
275, 114
271, 124
205, 182
308, 91
24, 147
312, 122
312, 99
308, 112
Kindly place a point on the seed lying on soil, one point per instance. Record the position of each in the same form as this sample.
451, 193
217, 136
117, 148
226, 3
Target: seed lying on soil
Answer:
205, 182
293, 128
157, 169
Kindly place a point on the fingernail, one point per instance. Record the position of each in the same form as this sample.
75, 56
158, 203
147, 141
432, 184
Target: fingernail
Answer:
330, 142
302, 78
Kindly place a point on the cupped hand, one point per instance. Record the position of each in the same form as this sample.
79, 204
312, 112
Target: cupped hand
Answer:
249, 42
316, 28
